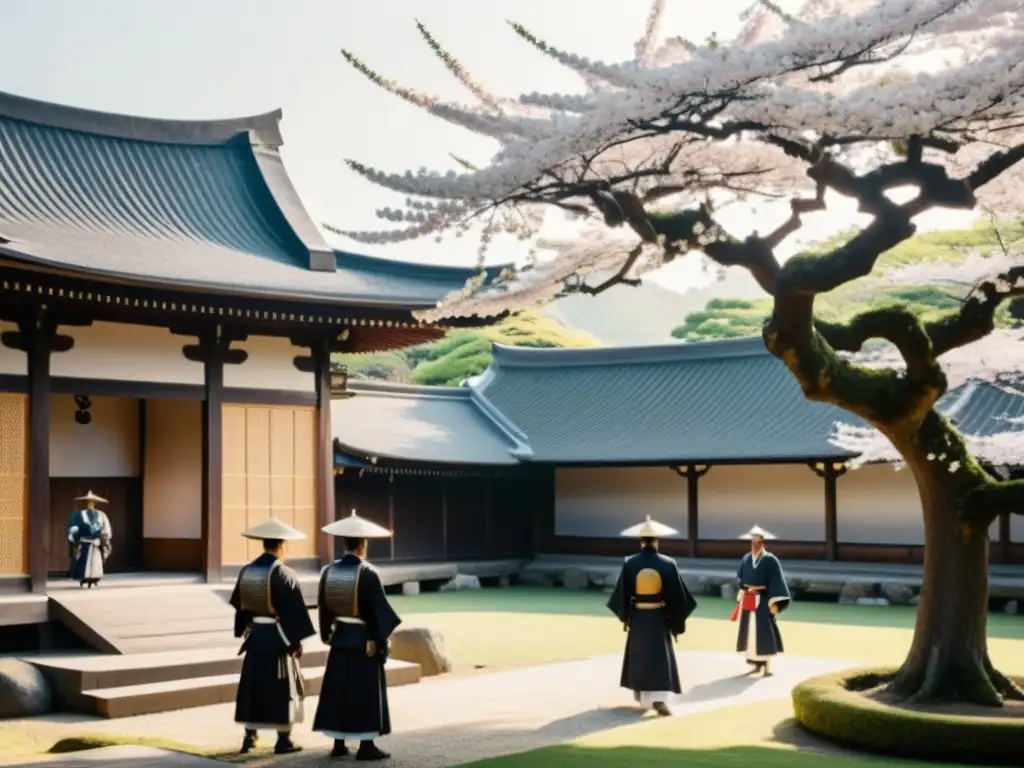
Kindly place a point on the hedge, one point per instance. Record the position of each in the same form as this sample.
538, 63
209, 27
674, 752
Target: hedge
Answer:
826, 706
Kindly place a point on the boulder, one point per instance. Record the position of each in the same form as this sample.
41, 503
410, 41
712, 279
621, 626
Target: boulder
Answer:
533, 577
460, 582
24, 691
423, 646
898, 594
852, 591
798, 587
728, 591
575, 578
1012, 607
410, 587
915, 600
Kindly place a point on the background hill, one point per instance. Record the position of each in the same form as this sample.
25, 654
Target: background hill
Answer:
461, 354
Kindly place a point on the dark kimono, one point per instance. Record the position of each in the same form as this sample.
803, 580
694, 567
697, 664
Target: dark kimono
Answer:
89, 538
271, 614
653, 603
759, 635
356, 621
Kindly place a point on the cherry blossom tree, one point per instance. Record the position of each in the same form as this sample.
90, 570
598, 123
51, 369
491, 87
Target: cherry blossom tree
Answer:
903, 106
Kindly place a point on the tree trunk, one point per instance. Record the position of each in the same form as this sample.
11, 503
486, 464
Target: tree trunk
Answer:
948, 659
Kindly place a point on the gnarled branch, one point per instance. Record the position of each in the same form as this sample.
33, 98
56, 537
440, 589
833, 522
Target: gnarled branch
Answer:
981, 505
975, 318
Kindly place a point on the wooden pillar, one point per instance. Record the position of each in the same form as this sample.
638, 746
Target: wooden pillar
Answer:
693, 474
214, 352
38, 337
213, 466
391, 512
321, 354
445, 480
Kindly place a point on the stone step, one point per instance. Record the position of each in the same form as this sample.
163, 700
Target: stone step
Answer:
150, 698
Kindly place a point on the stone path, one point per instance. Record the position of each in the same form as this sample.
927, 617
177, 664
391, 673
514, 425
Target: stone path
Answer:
129, 757
443, 723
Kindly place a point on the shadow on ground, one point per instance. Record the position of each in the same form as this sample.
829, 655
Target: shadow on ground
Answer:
555, 600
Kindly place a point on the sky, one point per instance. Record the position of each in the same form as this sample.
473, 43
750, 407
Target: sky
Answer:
204, 59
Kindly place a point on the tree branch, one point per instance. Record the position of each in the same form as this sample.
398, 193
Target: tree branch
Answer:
981, 505
976, 317
618, 277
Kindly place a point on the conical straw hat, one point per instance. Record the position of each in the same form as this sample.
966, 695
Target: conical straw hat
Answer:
649, 529
274, 529
759, 532
90, 496
355, 527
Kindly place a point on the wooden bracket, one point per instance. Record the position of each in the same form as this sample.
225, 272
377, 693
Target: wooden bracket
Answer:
685, 470
819, 468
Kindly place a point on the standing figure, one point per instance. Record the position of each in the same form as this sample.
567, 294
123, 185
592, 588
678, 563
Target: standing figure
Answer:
89, 536
356, 621
761, 594
653, 604
271, 614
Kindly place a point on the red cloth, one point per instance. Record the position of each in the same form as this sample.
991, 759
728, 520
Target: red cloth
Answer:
748, 603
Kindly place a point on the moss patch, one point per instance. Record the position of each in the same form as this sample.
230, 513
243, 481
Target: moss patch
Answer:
834, 707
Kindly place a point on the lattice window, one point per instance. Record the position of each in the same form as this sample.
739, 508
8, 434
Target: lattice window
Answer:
13, 484
269, 469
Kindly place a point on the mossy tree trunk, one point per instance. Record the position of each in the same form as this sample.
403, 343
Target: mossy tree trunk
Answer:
948, 659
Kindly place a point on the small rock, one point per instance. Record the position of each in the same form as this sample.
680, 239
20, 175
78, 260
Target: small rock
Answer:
575, 578
423, 646
533, 577
1012, 607
798, 587
410, 587
728, 591
898, 594
504, 581
872, 601
852, 591
24, 691
460, 582
915, 600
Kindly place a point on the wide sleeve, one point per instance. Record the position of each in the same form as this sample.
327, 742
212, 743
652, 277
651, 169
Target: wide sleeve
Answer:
242, 618
325, 615
290, 605
73, 526
739, 575
777, 590
679, 602
621, 598
381, 619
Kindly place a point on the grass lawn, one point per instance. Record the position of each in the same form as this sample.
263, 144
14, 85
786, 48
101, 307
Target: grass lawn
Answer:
518, 626
751, 736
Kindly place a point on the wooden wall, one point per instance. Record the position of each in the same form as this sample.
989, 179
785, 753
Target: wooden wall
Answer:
269, 469
13, 484
439, 517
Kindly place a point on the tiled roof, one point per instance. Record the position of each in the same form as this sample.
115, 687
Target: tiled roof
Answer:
421, 424
715, 401
200, 204
712, 402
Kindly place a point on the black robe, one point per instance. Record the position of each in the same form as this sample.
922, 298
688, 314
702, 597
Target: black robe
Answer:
649, 661
270, 690
354, 696
767, 573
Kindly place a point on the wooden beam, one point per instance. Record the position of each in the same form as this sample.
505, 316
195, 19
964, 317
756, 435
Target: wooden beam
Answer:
831, 513
321, 354
37, 338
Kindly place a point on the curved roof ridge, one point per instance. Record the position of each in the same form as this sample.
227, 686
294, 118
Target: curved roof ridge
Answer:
375, 386
572, 357
266, 126
386, 265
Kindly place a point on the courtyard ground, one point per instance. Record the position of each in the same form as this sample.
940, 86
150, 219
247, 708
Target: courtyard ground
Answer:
538, 668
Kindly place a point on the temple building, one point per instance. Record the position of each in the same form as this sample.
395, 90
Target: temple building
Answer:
561, 449
167, 314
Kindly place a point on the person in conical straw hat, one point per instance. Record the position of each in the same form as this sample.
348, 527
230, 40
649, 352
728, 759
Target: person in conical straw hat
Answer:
653, 604
89, 536
761, 594
271, 614
356, 621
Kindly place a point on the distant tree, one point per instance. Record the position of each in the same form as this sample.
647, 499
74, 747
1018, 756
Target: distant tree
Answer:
842, 99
